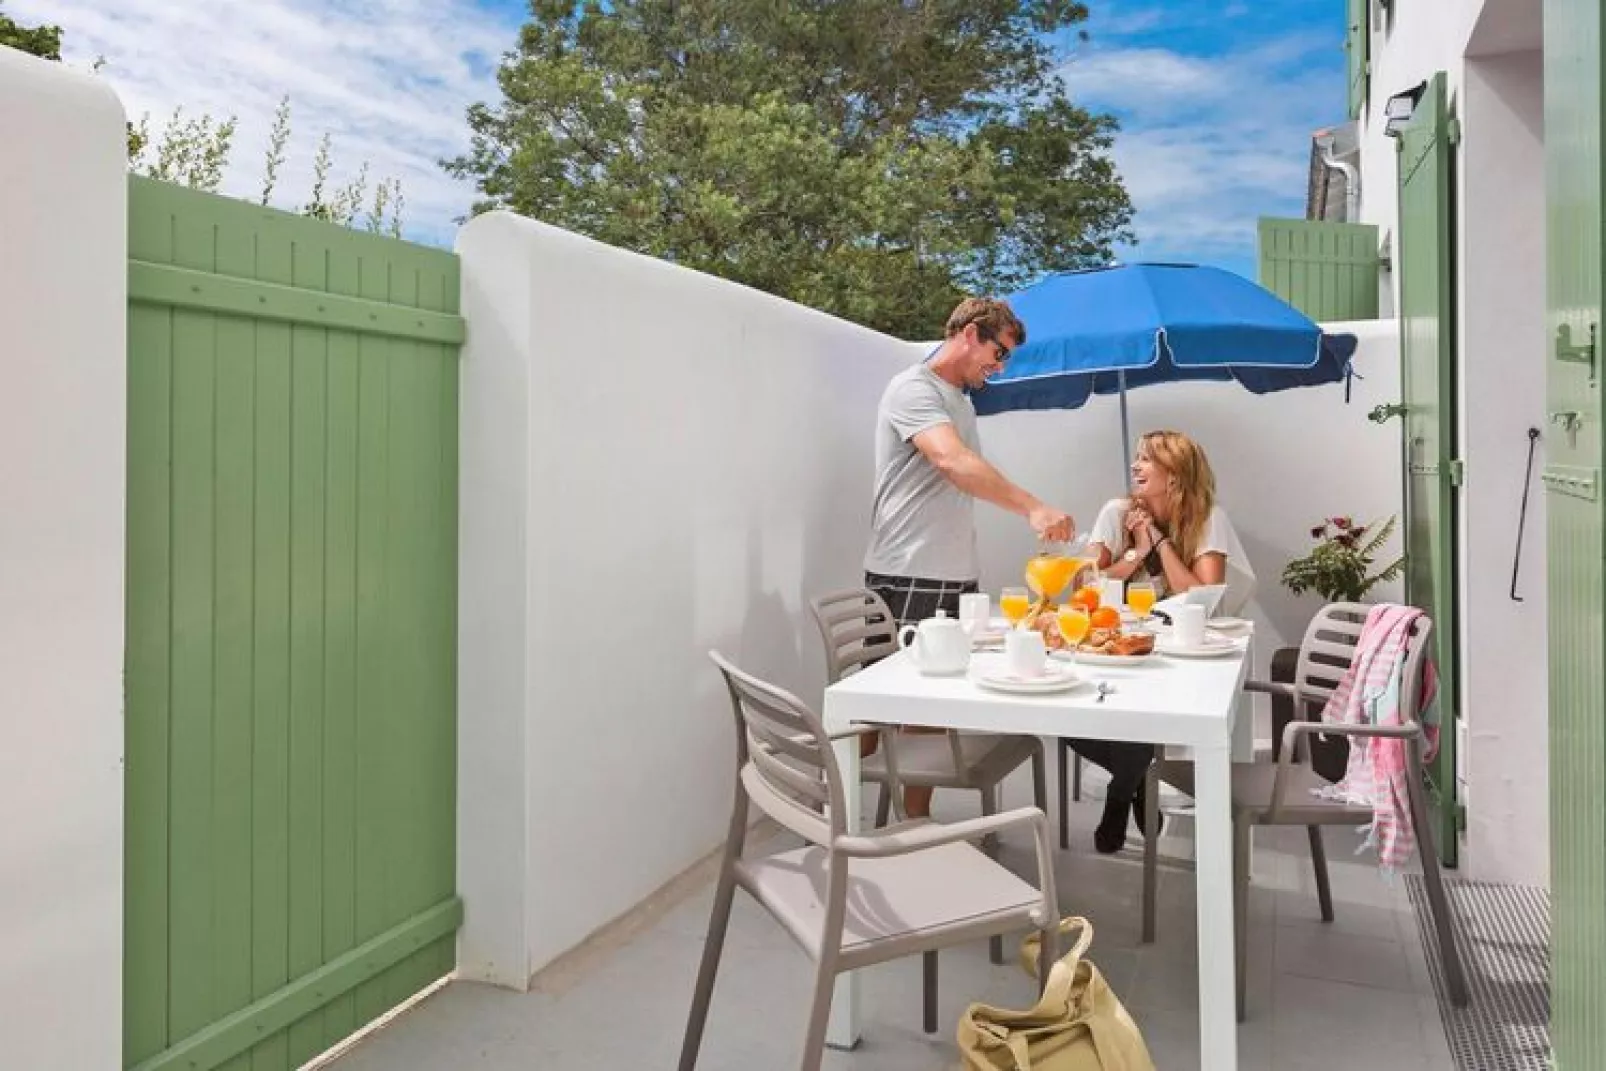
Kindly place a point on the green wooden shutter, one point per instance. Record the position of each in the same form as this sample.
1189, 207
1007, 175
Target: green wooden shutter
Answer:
1328, 271
1573, 451
1428, 375
1358, 45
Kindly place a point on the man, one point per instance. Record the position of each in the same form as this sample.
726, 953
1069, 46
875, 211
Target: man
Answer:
929, 472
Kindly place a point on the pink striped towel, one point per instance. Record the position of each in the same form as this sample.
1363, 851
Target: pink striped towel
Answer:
1369, 694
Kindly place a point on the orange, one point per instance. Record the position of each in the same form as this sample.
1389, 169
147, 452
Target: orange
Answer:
1105, 617
1087, 599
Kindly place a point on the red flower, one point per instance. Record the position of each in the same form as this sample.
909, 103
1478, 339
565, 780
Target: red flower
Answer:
1319, 531
1343, 523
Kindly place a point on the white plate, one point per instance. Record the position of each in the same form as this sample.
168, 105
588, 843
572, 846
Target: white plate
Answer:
1055, 678
1230, 625
1212, 647
1114, 661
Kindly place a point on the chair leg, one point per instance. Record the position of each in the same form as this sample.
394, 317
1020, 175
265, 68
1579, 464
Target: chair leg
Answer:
1240, 906
819, 1016
1151, 853
1443, 923
883, 806
1076, 778
989, 844
1065, 794
718, 924
928, 990
1318, 862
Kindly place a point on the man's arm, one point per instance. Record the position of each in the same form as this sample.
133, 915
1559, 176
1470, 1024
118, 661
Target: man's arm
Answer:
972, 474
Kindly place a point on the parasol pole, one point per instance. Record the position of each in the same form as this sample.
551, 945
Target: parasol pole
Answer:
1126, 433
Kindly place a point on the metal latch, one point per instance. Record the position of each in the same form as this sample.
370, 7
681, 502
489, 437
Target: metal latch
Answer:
1381, 414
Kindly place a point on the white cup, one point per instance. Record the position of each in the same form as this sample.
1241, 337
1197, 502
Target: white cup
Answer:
975, 611
1112, 593
1025, 653
1188, 625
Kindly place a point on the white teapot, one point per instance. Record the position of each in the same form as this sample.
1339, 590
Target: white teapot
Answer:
940, 646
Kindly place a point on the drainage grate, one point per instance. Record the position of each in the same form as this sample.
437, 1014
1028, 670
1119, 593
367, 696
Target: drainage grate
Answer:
1504, 934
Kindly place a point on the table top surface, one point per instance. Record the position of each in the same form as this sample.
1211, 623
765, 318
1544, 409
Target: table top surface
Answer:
1164, 700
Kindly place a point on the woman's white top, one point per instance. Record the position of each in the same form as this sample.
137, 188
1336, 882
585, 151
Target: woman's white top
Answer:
1218, 538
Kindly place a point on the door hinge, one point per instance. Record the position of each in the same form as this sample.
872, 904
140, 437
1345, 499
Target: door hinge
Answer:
1452, 131
1458, 472
1575, 481
1579, 353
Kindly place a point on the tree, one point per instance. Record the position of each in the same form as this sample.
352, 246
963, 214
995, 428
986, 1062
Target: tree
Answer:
194, 152
872, 158
41, 41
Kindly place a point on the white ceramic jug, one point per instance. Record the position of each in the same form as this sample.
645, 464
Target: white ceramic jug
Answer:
939, 645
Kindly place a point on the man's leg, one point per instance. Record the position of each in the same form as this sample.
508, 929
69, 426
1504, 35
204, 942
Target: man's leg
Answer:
912, 600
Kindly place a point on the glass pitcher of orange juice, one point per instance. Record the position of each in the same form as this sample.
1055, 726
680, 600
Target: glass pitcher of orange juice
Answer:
1053, 568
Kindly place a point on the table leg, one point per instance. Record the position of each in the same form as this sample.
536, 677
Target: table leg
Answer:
1218, 1006
842, 1032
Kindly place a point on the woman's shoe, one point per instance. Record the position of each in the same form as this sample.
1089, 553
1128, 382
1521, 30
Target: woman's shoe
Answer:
1109, 836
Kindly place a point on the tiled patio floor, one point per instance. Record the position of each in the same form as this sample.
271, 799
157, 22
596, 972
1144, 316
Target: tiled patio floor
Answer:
1353, 993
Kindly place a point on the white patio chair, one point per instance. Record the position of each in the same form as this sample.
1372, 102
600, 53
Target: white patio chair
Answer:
852, 901
1281, 793
858, 628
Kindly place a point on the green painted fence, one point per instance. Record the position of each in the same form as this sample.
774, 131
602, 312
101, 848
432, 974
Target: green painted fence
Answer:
291, 662
1328, 271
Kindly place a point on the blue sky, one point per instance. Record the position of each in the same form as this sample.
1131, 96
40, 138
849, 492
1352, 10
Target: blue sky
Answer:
1217, 98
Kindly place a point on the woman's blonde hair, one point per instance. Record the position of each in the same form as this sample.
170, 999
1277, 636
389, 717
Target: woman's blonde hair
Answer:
1192, 490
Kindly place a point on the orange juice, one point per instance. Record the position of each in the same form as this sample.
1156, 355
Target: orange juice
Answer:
1074, 624
1141, 599
1014, 605
1049, 574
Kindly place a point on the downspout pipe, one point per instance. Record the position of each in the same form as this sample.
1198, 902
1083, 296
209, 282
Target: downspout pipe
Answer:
1351, 173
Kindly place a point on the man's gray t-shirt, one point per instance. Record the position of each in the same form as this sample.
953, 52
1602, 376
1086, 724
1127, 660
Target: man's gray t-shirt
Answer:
922, 525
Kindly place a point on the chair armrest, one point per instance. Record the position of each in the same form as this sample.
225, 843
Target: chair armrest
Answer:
1294, 749
919, 834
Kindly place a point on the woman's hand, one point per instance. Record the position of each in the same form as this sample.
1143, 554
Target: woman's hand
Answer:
1140, 530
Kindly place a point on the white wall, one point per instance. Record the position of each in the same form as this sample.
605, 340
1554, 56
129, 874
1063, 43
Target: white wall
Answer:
654, 463
1282, 461
1502, 391
63, 305
1489, 51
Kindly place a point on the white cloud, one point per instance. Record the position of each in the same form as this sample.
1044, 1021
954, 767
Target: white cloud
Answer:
1209, 143
388, 79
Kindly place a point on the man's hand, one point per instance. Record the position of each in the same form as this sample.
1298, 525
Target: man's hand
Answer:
1051, 525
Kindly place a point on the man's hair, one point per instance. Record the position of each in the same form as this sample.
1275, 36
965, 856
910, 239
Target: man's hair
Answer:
992, 317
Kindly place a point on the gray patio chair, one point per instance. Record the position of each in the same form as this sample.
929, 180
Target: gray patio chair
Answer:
858, 628
852, 901
1281, 793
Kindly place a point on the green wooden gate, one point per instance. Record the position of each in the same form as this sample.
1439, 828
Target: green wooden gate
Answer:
291, 660
1326, 270
1428, 354
1576, 594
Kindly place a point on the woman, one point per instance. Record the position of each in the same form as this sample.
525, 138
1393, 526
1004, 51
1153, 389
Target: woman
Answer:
1172, 533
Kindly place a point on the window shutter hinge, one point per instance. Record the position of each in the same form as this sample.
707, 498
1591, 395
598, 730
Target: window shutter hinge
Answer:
1452, 131
1458, 472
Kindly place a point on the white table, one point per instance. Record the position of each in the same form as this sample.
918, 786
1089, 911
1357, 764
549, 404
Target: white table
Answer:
1187, 703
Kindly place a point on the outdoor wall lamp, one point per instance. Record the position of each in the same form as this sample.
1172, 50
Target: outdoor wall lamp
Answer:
1399, 109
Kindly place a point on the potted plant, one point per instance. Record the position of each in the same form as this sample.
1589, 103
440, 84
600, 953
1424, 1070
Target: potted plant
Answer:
1341, 568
